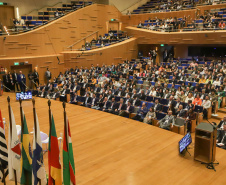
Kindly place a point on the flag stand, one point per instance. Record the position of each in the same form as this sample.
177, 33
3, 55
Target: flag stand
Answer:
10, 122
35, 126
50, 127
3, 173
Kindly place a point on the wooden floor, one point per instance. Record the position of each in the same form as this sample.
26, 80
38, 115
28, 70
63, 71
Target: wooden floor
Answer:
110, 150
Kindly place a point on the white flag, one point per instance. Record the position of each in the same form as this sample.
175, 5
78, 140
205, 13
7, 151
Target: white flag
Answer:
14, 152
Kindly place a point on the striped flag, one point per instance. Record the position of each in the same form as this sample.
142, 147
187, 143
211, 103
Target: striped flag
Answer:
26, 160
53, 156
68, 157
3, 146
14, 151
38, 172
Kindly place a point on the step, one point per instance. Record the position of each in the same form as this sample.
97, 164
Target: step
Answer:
219, 116
222, 110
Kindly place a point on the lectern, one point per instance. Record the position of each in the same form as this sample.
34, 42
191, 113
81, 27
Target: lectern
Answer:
205, 143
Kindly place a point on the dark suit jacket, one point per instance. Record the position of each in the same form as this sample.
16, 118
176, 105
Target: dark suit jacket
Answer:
181, 113
123, 107
131, 109
158, 107
89, 100
19, 79
221, 137
220, 124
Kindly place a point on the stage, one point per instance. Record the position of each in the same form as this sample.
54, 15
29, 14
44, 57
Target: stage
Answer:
111, 150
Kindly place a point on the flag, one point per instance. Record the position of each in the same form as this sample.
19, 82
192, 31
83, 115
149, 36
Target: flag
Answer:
3, 146
14, 151
53, 156
26, 160
38, 172
68, 157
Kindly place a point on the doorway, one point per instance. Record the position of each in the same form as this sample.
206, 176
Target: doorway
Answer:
25, 70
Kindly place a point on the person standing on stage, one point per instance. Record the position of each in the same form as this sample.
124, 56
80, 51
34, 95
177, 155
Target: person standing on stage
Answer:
36, 78
48, 75
14, 75
21, 81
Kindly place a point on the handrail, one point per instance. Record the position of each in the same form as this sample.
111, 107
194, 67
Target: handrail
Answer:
82, 39
43, 7
131, 5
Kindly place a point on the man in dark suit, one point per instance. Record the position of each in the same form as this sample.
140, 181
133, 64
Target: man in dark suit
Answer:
136, 101
165, 55
42, 94
55, 94
157, 106
221, 138
94, 101
129, 109
74, 99
105, 104
181, 113
87, 100
121, 107
142, 95
15, 75
112, 107
64, 92
22, 81
171, 101
6, 82
222, 123
36, 78
141, 113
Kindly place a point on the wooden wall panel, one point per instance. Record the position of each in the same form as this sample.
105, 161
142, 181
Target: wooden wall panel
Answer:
175, 38
6, 15
54, 37
136, 18
107, 55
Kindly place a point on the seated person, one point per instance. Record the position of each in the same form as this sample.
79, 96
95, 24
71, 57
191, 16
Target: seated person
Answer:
94, 101
181, 113
166, 122
222, 123
136, 101
129, 109
87, 101
42, 93
112, 107
74, 99
197, 100
221, 138
191, 116
104, 105
63, 94
189, 105
141, 113
157, 106
55, 95
121, 107
150, 116
206, 105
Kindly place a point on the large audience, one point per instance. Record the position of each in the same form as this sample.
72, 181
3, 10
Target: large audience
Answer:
209, 21
143, 91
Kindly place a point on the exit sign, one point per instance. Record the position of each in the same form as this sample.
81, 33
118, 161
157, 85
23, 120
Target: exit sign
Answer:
1, 3
16, 63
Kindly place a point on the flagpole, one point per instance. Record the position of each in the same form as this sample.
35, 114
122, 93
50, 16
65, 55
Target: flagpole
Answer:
65, 124
50, 127
10, 122
35, 125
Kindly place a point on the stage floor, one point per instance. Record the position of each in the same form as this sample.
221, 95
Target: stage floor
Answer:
111, 150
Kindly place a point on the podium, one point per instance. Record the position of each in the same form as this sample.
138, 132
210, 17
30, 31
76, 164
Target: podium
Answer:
205, 143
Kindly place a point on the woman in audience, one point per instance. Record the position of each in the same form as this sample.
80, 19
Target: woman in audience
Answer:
220, 94
217, 82
152, 92
150, 116
191, 116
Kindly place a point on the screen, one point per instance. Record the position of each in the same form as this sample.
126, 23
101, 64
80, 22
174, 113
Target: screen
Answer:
24, 95
184, 142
